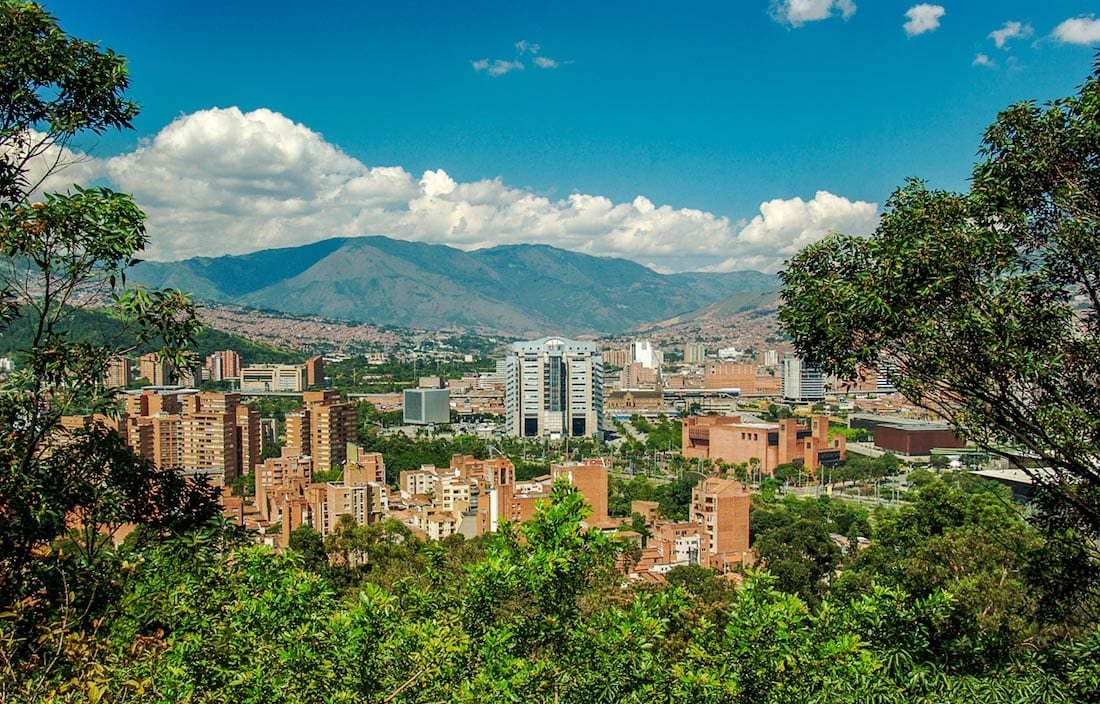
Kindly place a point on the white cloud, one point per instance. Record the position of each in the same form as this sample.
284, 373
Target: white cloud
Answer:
783, 227
498, 67
222, 181
1079, 30
923, 18
983, 60
798, 12
1010, 30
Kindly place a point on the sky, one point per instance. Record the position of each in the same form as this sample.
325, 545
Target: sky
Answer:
705, 136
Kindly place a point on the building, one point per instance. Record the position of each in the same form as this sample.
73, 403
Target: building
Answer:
638, 376
273, 377
119, 373
314, 368
198, 433
223, 365
721, 507
766, 445
730, 375
590, 479
801, 381
694, 353
323, 428
554, 388
427, 406
154, 371
643, 352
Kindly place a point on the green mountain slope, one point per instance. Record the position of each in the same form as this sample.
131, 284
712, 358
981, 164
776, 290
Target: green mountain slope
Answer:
513, 288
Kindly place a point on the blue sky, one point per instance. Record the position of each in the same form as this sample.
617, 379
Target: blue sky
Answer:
709, 109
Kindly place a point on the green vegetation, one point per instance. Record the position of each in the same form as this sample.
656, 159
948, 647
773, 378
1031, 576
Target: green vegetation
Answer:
953, 598
983, 306
103, 327
674, 498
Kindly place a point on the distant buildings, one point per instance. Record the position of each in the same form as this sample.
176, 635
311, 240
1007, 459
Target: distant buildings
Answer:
154, 371
274, 377
643, 352
694, 353
197, 433
223, 365
801, 381
729, 439
427, 406
554, 388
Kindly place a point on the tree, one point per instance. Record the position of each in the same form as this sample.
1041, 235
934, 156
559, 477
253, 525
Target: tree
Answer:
983, 306
64, 251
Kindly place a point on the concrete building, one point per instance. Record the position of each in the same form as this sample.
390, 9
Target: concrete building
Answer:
643, 352
554, 388
801, 381
273, 377
729, 439
426, 406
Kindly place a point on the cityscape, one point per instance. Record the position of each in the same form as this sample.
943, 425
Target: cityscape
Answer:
815, 419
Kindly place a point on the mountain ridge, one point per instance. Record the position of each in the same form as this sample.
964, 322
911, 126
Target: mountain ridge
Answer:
518, 288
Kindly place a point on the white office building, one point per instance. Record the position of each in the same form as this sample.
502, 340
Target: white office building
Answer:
554, 388
801, 381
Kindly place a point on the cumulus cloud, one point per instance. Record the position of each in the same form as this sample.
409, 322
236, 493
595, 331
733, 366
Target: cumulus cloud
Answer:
545, 62
223, 181
1010, 30
798, 12
983, 60
923, 18
784, 226
1079, 30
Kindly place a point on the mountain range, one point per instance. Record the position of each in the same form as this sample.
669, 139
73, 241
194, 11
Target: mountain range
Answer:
516, 289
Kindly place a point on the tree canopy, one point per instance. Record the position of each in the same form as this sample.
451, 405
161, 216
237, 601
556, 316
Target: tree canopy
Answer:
983, 306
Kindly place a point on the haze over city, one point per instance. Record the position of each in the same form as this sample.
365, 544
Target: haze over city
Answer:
712, 136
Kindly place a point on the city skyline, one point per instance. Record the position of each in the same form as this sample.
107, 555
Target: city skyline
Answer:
711, 138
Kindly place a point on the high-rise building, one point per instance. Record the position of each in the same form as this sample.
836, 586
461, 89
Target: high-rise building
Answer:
801, 381
721, 507
554, 388
694, 353
223, 365
154, 371
119, 374
643, 352
315, 371
332, 425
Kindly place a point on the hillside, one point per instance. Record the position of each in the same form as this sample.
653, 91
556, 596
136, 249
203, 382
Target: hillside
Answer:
97, 327
518, 289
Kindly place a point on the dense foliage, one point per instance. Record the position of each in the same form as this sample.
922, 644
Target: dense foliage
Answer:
537, 613
983, 306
